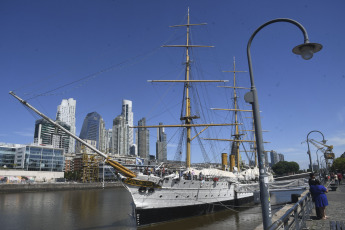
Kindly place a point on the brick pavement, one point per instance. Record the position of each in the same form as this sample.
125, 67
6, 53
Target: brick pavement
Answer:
335, 210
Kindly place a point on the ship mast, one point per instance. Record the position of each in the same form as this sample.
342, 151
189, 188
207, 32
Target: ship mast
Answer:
188, 117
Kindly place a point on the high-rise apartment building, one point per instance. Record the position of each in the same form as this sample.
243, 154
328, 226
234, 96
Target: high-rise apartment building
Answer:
66, 113
274, 157
128, 114
47, 134
161, 145
109, 141
120, 138
143, 140
280, 157
122, 134
93, 129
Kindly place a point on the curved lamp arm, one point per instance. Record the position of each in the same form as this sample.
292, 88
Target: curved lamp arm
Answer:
323, 140
306, 50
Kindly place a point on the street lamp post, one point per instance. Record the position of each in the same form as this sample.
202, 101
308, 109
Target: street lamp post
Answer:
323, 141
317, 157
306, 50
318, 161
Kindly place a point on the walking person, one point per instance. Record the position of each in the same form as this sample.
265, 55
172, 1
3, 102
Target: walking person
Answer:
340, 176
320, 198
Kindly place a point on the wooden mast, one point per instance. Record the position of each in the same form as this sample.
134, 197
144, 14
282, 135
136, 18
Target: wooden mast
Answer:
237, 136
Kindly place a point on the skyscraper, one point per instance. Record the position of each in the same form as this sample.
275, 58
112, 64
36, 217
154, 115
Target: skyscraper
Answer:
47, 134
93, 129
143, 140
109, 141
122, 134
120, 143
128, 114
161, 145
274, 157
280, 157
66, 113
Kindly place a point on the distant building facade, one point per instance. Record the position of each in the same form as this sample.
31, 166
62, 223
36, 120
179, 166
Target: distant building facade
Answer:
120, 138
109, 141
143, 139
66, 113
280, 157
274, 157
161, 145
128, 114
48, 134
123, 135
33, 157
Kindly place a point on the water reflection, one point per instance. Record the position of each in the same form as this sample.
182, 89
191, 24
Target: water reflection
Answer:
102, 209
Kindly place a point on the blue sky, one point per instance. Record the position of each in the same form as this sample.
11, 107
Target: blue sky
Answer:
111, 48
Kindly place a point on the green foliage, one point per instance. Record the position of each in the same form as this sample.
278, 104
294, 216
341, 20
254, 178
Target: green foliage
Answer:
73, 176
285, 167
338, 164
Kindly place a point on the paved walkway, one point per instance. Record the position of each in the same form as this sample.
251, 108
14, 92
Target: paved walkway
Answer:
335, 209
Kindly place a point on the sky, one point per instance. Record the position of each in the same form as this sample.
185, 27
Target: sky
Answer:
101, 52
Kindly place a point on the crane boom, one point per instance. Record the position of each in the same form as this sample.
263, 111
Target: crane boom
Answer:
327, 152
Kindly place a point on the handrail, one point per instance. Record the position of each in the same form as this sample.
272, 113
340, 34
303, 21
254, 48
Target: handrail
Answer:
305, 205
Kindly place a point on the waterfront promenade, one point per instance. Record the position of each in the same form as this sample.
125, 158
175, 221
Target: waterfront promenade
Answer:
335, 210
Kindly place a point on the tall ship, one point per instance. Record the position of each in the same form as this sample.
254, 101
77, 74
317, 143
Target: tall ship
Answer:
190, 191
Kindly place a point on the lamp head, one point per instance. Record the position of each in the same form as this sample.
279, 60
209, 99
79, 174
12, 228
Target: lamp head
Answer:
307, 50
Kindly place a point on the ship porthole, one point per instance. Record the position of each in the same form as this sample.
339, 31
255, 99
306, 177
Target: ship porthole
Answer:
142, 190
160, 196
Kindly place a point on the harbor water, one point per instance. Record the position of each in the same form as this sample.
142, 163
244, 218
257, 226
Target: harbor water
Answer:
103, 209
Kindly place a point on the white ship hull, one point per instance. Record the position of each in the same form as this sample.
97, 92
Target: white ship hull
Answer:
184, 198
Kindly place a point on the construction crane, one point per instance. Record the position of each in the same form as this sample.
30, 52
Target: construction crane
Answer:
326, 149
328, 152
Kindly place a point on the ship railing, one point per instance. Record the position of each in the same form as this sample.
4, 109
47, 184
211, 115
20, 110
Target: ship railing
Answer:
296, 216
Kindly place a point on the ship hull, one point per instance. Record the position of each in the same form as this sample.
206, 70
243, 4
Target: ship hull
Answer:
177, 199
159, 215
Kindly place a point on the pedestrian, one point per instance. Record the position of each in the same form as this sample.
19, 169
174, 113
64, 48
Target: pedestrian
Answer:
314, 181
336, 179
340, 176
320, 198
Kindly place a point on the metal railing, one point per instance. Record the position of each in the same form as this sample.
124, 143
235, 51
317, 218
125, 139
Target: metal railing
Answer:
295, 217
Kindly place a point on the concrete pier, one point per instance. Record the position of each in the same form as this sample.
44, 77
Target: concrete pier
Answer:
335, 210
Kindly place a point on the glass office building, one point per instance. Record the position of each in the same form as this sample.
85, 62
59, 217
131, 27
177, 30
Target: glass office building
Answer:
7, 155
42, 158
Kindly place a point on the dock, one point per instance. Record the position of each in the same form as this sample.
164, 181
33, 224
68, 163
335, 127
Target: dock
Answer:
335, 211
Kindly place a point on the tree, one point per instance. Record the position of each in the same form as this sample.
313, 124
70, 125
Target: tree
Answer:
285, 167
338, 164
